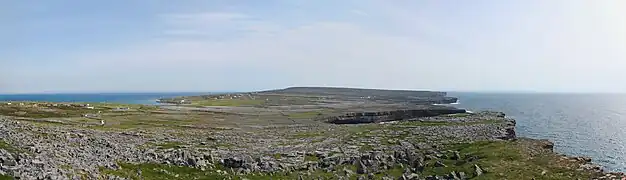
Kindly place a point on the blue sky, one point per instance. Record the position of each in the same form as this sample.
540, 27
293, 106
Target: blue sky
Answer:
204, 45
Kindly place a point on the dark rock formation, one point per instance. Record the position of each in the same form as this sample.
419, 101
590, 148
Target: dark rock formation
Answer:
384, 116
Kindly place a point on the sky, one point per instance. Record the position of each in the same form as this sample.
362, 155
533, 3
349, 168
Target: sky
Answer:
225, 45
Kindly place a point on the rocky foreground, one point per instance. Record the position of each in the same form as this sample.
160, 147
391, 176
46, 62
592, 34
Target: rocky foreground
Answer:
445, 147
274, 136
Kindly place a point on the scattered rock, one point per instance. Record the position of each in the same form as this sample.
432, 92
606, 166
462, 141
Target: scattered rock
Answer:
477, 170
361, 168
456, 156
462, 175
440, 164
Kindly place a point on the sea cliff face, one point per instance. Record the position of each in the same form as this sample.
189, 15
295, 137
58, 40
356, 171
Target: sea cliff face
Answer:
385, 116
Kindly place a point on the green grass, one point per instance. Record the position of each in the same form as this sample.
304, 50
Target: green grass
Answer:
12, 150
507, 160
458, 115
144, 120
305, 115
28, 110
311, 158
277, 156
170, 145
445, 123
168, 172
9, 148
66, 167
307, 135
287, 99
225, 145
227, 102
6, 177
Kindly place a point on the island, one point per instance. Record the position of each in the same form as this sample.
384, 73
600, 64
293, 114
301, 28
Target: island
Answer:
291, 133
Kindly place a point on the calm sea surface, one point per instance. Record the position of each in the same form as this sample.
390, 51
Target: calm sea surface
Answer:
127, 98
591, 125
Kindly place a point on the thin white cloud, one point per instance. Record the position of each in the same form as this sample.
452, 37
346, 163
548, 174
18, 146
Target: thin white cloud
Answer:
358, 12
215, 24
208, 17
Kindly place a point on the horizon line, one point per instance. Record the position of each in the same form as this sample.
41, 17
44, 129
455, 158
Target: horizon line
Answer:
200, 92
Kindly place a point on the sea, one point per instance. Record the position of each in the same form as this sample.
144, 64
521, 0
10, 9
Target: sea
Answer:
125, 98
591, 125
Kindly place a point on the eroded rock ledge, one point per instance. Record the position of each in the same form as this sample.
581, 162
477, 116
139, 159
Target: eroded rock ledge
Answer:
396, 115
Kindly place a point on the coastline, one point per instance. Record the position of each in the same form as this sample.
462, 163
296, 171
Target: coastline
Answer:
276, 141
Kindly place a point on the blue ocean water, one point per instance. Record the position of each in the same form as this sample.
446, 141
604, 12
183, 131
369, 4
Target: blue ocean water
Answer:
127, 98
592, 125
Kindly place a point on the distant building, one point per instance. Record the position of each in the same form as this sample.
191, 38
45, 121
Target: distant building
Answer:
184, 101
122, 109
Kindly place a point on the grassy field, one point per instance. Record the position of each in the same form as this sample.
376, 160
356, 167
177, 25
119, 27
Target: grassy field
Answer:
46, 110
227, 102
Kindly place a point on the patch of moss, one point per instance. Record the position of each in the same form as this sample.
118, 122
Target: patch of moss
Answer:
170, 145
66, 166
6, 177
4, 145
277, 156
311, 158
308, 134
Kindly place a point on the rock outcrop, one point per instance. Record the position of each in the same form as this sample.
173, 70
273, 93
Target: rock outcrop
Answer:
385, 116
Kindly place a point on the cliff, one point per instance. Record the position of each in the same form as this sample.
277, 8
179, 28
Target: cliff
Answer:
396, 115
